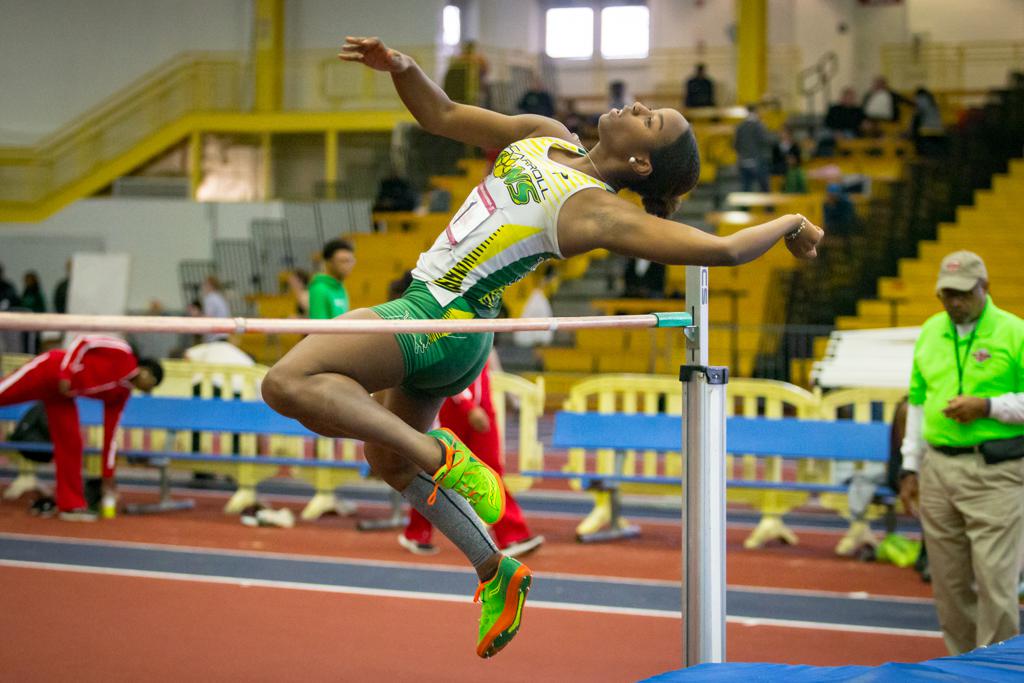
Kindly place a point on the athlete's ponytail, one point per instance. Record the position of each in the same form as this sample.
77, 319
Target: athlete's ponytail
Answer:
675, 169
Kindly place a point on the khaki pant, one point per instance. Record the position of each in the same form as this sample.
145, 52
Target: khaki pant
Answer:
973, 517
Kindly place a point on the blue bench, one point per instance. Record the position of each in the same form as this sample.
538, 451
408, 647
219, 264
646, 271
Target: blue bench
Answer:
191, 415
759, 437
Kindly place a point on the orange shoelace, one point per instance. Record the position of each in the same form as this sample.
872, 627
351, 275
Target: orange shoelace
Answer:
449, 452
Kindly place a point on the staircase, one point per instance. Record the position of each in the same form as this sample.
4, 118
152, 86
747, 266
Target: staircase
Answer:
990, 228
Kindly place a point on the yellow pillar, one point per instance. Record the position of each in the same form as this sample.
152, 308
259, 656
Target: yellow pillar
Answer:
267, 164
268, 27
330, 163
195, 158
751, 50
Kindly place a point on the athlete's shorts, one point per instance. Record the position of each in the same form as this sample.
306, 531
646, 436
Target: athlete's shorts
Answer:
436, 365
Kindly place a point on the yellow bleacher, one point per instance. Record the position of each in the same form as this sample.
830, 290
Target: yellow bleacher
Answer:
988, 228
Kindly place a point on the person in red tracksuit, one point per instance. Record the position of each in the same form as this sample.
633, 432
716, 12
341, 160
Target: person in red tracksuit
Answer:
101, 368
471, 416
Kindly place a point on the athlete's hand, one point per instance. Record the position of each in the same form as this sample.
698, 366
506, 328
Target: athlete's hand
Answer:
805, 245
373, 53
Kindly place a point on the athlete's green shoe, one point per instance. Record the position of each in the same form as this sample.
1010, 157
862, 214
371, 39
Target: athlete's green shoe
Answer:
469, 477
502, 598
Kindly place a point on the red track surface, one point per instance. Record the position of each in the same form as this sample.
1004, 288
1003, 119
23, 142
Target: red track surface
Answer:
130, 628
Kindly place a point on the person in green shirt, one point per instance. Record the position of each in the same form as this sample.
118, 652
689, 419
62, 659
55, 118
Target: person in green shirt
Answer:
327, 295
963, 455
328, 299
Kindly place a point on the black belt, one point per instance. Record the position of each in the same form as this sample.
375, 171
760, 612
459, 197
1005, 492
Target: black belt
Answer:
957, 450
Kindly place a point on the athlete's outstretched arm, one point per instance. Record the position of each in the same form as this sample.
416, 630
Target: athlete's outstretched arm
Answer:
436, 112
593, 220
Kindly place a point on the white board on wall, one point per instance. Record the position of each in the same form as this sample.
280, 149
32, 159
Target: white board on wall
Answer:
98, 285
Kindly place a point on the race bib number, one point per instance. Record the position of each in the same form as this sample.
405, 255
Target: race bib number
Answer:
477, 208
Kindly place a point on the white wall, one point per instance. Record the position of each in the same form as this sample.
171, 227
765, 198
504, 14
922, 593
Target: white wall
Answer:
59, 58
319, 24
958, 21
157, 233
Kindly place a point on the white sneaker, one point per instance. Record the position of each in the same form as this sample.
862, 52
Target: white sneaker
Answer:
417, 548
79, 515
523, 547
345, 508
283, 518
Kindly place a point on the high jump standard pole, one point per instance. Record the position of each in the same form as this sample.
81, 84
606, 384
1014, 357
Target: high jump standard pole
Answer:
703, 508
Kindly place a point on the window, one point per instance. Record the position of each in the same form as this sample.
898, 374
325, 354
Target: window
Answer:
623, 28
570, 32
451, 25
625, 32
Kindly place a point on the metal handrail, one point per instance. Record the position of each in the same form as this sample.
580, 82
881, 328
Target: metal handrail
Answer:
818, 78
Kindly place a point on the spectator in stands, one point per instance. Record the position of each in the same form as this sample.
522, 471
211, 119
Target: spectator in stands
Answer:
699, 89
839, 213
537, 99
963, 455
644, 279
32, 297
845, 119
60, 292
926, 128
215, 305
298, 286
395, 194
96, 367
328, 297
882, 103
618, 96
795, 180
8, 294
753, 145
470, 62
784, 146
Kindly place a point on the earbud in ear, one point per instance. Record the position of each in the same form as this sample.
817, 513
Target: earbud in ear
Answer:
632, 160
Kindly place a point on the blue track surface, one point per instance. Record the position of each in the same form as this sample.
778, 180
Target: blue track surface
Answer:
585, 592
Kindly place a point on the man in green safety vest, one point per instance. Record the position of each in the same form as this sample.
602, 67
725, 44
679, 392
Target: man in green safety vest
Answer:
963, 455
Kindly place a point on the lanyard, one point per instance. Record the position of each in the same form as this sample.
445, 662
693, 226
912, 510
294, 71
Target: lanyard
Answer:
956, 354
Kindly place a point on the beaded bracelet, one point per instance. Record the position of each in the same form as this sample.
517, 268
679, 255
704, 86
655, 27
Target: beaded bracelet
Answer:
799, 229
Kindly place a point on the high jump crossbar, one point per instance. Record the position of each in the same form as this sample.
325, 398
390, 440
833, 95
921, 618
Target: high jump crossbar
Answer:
703, 432
188, 325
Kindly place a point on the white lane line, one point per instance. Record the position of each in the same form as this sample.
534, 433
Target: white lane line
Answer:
420, 595
612, 580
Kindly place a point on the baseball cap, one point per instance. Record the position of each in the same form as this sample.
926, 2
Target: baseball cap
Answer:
961, 270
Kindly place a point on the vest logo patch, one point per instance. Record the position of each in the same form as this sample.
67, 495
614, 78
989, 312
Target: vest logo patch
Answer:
981, 355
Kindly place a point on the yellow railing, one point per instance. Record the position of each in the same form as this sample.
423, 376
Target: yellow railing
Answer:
193, 82
952, 66
651, 394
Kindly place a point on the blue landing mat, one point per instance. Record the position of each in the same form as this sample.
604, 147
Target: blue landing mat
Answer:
1002, 662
